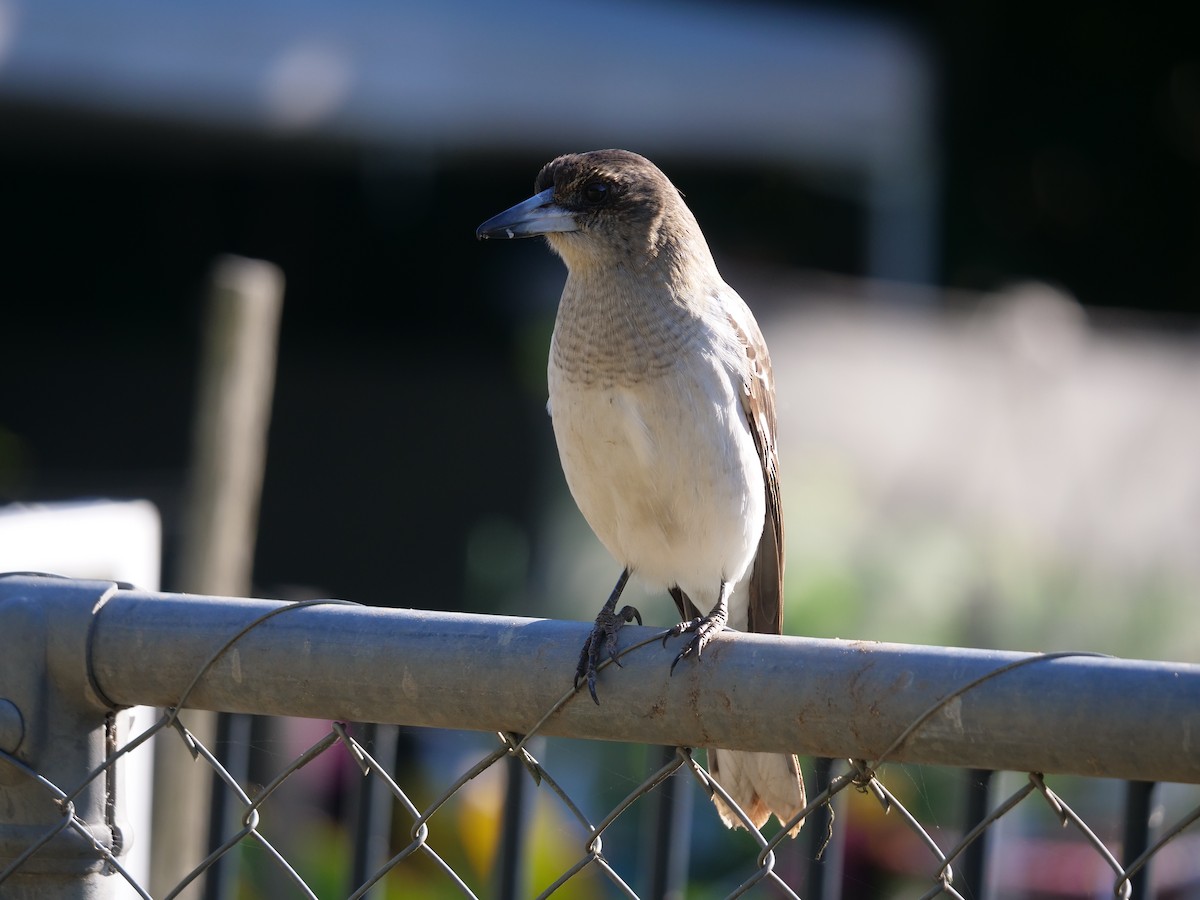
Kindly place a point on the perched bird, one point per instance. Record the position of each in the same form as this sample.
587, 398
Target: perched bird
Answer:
662, 401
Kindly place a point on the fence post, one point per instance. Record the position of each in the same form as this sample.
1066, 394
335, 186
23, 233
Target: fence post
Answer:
52, 736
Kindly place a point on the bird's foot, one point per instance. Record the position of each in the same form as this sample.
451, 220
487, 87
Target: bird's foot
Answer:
603, 639
703, 630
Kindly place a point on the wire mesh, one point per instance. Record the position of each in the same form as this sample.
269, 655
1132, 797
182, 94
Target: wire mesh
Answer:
425, 837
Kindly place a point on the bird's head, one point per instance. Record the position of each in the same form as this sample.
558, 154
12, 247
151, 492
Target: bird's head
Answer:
602, 206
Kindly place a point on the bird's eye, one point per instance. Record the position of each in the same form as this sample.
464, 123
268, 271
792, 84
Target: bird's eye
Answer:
595, 193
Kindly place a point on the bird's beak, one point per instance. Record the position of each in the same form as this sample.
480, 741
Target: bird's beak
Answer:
537, 215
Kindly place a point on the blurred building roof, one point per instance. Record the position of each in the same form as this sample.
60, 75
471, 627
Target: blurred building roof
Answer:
819, 90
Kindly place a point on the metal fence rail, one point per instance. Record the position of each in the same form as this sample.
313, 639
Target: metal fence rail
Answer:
73, 652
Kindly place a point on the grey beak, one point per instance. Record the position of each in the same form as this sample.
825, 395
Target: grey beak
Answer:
537, 215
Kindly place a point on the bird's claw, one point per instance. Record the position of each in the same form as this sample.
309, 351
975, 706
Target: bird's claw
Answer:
603, 637
678, 629
703, 629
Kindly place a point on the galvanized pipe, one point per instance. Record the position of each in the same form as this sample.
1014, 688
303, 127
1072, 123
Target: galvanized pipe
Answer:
1075, 715
52, 727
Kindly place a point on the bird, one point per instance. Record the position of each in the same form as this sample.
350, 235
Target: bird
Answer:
662, 402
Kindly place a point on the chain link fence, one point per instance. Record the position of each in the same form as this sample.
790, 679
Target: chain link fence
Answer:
76, 652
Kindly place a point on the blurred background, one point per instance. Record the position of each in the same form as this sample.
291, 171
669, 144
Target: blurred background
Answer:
970, 232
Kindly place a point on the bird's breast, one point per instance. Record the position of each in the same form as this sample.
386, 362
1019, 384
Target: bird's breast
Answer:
661, 464
622, 330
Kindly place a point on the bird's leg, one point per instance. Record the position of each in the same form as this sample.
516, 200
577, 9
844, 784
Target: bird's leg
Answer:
604, 635
705, 627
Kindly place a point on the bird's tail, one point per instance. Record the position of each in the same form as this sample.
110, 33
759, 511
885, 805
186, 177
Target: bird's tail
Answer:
762, 784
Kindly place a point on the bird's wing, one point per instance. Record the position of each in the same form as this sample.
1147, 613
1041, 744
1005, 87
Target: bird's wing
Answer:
758, 405
687, 609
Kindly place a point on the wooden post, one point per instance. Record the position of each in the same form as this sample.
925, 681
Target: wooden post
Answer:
229, 445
